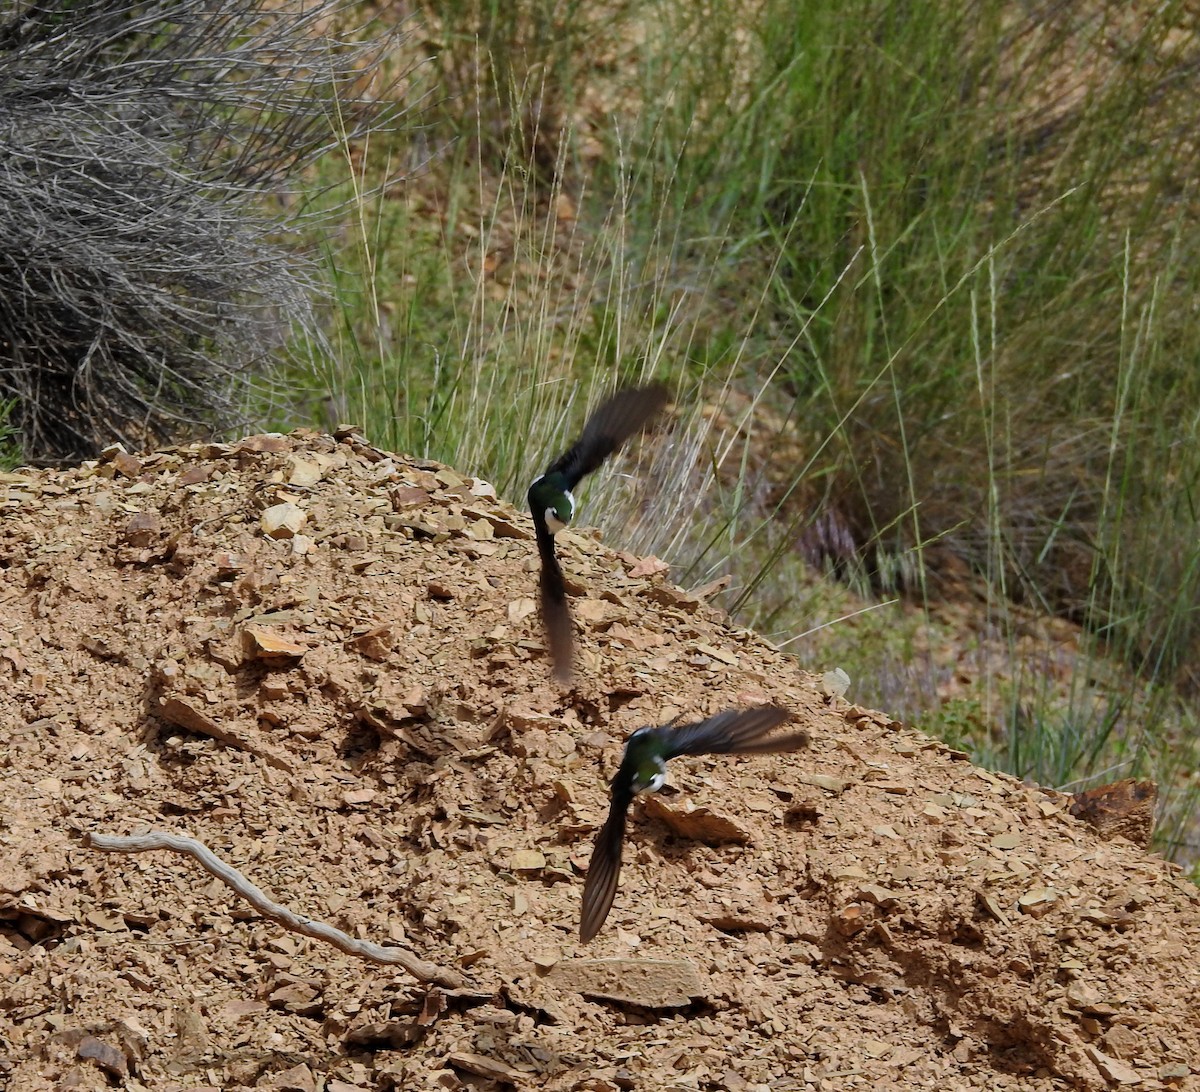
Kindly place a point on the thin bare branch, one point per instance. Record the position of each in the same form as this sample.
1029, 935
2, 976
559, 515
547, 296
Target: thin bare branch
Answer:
419, 968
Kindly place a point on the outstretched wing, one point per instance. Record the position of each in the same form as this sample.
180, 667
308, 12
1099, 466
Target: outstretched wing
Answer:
556, 615
605, 868
610, 425
736, 731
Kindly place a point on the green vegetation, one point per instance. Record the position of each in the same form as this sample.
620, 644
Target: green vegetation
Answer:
10, 450
925, 278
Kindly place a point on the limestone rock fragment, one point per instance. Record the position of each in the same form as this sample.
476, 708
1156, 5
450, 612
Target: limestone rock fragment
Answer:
283, 520
650, 983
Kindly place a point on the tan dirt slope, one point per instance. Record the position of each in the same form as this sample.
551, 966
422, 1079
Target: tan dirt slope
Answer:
356, 711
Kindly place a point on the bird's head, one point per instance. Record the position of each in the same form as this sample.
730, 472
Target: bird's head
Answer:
645, 762
549, 496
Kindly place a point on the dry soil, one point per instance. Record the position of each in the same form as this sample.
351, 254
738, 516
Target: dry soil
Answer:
324, 662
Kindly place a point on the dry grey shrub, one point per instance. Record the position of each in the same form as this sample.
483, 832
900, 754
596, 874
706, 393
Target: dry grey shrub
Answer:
149, 156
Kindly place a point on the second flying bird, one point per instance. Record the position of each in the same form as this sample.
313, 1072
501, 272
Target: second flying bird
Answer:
644, 769
552, 503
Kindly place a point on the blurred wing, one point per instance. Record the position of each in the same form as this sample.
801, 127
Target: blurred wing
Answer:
791, 741
556, 615
605, 868
736, 731
613, 422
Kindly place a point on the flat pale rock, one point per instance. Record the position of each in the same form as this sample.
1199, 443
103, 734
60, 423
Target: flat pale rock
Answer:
527, 860
835, 683
739, 921
303, 473
264, 643
297, 1079
266, 442
714, 653
648, 566
825, 781
1038, 901
184, 714
502, 528
593, 612
701, 824
483, 1066
520, 609
650, 983
666, 596
1112, 1069
283, 520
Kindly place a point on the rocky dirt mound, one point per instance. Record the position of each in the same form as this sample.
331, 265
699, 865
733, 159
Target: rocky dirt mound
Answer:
324, 662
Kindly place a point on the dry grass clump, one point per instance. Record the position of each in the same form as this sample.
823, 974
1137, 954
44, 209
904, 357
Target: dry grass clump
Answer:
147, 150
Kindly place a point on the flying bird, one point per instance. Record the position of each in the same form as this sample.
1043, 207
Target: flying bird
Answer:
644, 769
552, 503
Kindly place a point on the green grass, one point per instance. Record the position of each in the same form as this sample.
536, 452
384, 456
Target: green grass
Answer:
923, 281
10, 450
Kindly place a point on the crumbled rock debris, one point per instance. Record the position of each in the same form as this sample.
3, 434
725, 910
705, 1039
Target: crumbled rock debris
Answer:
324, 661
1123, 809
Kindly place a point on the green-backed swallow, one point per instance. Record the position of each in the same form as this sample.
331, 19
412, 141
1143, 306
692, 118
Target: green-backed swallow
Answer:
553, 504
644, 769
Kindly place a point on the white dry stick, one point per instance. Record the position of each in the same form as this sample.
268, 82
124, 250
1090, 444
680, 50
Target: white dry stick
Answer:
231, 877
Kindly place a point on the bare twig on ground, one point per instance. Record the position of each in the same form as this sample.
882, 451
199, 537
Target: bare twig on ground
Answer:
156, 839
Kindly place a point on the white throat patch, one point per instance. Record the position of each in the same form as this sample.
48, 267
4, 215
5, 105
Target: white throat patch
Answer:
552, 521
657, 779
656, 782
